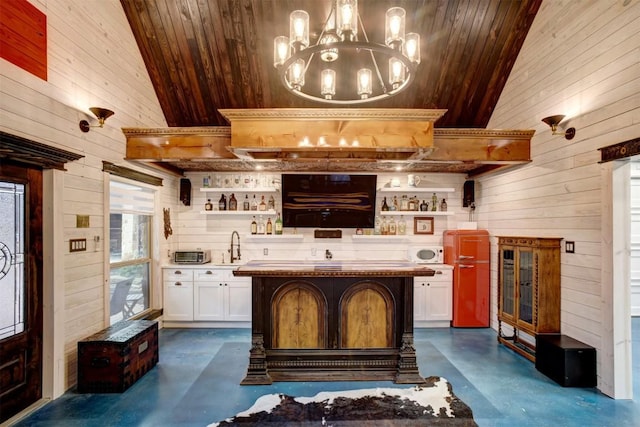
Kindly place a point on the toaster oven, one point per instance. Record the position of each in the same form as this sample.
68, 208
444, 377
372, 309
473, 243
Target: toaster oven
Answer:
192, 257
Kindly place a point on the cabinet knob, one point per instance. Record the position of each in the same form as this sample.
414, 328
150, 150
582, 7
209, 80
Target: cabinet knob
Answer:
177, 272
178, 284
209, 272
438, 272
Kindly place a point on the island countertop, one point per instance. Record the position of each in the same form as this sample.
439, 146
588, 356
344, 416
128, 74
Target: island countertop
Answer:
346, 268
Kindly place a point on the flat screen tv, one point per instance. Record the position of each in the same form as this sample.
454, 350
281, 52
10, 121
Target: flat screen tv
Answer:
328, 200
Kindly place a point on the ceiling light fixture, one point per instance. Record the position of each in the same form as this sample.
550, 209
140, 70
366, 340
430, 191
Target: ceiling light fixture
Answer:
553, 122
339, 48
101, 113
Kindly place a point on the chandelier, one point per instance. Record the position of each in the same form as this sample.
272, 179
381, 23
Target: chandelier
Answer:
343, 66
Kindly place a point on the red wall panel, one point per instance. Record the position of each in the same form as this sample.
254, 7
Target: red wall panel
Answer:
23, 36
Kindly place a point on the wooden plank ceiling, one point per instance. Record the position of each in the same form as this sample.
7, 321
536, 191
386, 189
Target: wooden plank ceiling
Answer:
207, 55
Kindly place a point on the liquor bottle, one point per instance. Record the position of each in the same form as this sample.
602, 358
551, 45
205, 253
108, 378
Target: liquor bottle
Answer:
402, 226
376, 226
261, 227
222, 203
385, 206
393, 227
278, 226
254, 226
206, 181
262, 206
208, 206
443, 205
233, 203
434, 202
424, 206
254, 203
412, 204
394, 206
272, 203
269, 226
384, 227
404, 203
245, 203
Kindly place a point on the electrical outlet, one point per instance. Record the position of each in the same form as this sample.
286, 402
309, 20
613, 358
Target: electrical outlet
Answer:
314, 251
265, 251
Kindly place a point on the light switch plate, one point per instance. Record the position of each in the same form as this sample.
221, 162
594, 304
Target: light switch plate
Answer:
569, 247
77, 245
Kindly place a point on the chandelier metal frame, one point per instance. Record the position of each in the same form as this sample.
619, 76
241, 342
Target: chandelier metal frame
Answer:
350, 43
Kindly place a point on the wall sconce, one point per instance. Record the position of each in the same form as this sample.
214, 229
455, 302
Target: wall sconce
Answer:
101, 113
553, 121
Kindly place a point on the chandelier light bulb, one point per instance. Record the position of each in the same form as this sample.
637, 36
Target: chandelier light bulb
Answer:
412, 47
299, 29
328, 83
347, 19
342, 142
396, 72
364, 83
394, 28
281, 50
296, 74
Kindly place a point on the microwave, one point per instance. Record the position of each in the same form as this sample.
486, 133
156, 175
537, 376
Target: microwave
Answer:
192, 257
426, 254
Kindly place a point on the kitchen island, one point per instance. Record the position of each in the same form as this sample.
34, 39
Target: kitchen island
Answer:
333, 320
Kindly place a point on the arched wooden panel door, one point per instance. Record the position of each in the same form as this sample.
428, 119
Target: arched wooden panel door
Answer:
298, 317
366, 316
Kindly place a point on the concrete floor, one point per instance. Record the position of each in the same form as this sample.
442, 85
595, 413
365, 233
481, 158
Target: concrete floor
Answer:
196, 383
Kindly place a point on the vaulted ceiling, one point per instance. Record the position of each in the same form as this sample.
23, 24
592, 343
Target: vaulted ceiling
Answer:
207, 55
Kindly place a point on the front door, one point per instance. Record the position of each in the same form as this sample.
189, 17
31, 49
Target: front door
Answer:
20, 288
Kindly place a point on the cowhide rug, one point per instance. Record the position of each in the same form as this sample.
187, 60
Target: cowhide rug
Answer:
430, 404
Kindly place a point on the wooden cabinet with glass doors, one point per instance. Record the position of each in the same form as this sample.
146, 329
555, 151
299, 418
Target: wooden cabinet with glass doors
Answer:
528, 290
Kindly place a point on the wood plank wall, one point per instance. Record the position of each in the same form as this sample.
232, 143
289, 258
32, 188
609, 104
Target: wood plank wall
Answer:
93, 61
635, 239
580, 59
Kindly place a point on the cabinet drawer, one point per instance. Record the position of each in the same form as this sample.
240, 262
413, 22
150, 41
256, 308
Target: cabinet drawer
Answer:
209, 275
178, 274
446, 276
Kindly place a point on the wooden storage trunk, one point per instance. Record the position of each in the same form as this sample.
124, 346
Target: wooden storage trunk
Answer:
111, 360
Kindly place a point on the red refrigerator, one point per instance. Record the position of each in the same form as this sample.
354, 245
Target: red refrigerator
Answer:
468, 252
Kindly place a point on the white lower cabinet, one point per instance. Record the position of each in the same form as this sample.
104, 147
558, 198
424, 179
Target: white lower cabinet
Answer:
432, 299
178, 294
219, 295
216, 295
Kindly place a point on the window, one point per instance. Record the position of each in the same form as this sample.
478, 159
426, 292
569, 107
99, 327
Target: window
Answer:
130, 234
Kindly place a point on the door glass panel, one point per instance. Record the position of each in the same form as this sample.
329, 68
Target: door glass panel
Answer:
525, 270
508, 281
12, 286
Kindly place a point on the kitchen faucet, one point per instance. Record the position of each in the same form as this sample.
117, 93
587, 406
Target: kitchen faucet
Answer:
235, 233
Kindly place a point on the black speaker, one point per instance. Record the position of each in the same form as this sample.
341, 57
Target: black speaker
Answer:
185, 191
468, 193
565, 360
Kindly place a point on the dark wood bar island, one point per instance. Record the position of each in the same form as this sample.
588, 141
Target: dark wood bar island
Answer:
332, 321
